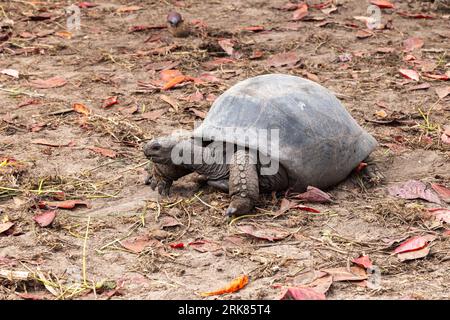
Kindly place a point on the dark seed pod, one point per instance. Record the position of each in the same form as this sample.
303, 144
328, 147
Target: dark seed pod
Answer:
174, 18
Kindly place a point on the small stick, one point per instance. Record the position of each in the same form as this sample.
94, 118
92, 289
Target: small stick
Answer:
84, 250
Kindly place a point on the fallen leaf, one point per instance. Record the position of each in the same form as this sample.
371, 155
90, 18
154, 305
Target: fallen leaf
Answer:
153, 115
440, 214
162, 65
104, 152
66, 204
415, 15
45, 142
31, 296
302, 293
177, 245
413, 43
198, 113
382, 4
169, 74
173, 82
414, 243
5, 226
445, 138
314, 194
442, 77
422, 86
300, 12
411, 255
81, 108
64, 34
11, 72
305, 208
110, 101
138, 244
171, 101
344, 274
53, 82
442, 92
227, 46
282, 59
363, 261
385, 50
270, 234
254, 28
28, 102
46, 218
442, 191
285, 206
363, 34
235, 285
125, 9
409, 74
205, 246
168, 221
84, 5
195, 97
414, 189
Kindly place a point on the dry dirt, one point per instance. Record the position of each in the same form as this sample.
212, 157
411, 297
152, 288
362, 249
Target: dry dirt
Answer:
104, 59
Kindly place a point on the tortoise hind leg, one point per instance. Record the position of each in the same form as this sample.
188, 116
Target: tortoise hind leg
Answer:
367, 174
221, 185
243, 183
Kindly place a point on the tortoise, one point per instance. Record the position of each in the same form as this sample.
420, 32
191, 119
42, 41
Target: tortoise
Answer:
316, 142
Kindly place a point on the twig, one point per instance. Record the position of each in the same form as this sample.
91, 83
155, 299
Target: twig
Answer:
84, 251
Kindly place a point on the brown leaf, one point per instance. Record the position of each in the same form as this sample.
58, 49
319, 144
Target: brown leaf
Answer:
104, 152
413, 189
254, 28
415, 15
300, 12
443, 77
322, 284
282, 59
302, 293
198, 113
195, 97
169, 74
227, 46
54, 82
343, 274
138, 244
32, 296
409, 74
363, 34
422, 86
413, 43
314, 194
153, 115
205, 246
5, 226
440, 214
125, 9
442, 191
382, 4
270, 234
168, 221
173, 82
110, 101
162, 65
46, 218
442, 92
171, 101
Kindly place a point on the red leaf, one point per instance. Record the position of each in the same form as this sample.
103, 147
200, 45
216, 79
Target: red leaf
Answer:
173, 82
81, 108
169, 74
282, 59
314, 194
87, 5
305, 208
270, 234
177, 245
415, 15
48, 83
383, 4
363, 261
301, 12
104, 152
67, 204
110, 101
414, 243
416, 254
442, 191
46, 218
414, 189
300, 293
413, 43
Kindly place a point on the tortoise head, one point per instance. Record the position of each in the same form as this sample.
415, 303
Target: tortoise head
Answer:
161, 149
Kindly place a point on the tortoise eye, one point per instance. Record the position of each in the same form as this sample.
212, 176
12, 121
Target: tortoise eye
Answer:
155, 146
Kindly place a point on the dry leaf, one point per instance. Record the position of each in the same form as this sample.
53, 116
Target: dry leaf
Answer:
171, 101
53, 82
104, 152
270, 234
442, 191
110, 101
235, 285
302, 293
5, 226
413, 43
363, 261
45, 142
382, 4
414, 243
11, 72
314, 194
153, 115
413, 189
138, 244
282, 59
301, 12
125, 9
344, 274
169, 74
46, 218
411, 255
66, 204
173, 82
81, 108
442, 92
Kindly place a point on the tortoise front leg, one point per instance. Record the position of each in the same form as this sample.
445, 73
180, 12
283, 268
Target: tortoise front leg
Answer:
162, 177
243, 183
